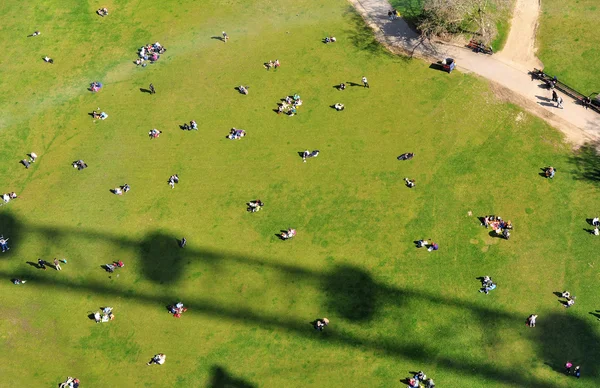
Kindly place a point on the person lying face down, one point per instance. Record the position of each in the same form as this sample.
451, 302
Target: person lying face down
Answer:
406, 156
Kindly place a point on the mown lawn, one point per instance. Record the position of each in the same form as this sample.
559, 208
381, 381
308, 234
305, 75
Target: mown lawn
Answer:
251, 297
567, 41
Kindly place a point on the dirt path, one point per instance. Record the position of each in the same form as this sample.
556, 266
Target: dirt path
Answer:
519, 50
507, 71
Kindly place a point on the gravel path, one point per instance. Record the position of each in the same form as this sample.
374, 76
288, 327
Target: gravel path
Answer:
507, 70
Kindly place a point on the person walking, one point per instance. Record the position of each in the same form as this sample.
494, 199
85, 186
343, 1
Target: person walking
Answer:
559, 102
183, 242
554, 96
531, 320
577, 371
42, 264
152, 90
225, 37
57, 265
365, 82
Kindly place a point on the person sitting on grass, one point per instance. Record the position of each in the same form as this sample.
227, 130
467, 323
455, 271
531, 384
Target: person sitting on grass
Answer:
549, 172
18, 281
158, 359
487, 285
154, 133
118, 191
79, 164
321, 323
342, 86
102, 12
243, 89
47, 59
177, 309
329, 39
69, 383
308, 155
256, 205
338, 106
236, 134
570, 302
288, 234
410, 183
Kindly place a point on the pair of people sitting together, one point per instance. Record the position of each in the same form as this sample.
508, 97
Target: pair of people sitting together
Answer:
275, 64
307, 155
99, 115
549, 172
256, 205
321, 323
79, 164
105, 316
71, 382
47, 59
6, 197
177, 309
410, 183
487, 285
329, 39
102, 12
121, 189
95, 86
426, 244
154, 133
338, 106
189, 127
158, 359
286, 235
235, 134
115, 264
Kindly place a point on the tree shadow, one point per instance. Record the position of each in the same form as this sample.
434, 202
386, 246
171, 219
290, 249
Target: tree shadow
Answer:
351, 293
411, 10
220, 378
586, 162
362, 37
162, 259
563, 337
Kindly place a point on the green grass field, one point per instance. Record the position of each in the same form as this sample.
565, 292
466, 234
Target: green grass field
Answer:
251, 297
567, 42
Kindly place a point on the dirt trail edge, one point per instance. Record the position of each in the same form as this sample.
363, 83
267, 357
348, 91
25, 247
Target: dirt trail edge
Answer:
507, 71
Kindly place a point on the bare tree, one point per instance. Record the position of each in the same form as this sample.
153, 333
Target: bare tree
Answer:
447, 17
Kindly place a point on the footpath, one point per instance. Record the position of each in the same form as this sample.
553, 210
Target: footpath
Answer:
507, 70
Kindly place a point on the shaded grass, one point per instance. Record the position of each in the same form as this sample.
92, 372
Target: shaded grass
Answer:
251, 296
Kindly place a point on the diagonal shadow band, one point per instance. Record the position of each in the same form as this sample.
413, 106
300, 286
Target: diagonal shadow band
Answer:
351, 292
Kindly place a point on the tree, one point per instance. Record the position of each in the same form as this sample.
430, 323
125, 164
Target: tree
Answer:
447, 17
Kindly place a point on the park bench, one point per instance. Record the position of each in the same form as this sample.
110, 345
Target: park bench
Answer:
479, 47
569, 91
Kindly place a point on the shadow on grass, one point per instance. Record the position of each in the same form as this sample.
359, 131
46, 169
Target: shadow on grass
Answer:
363, 38
410, 10
220, 378
586, 161
350, 292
